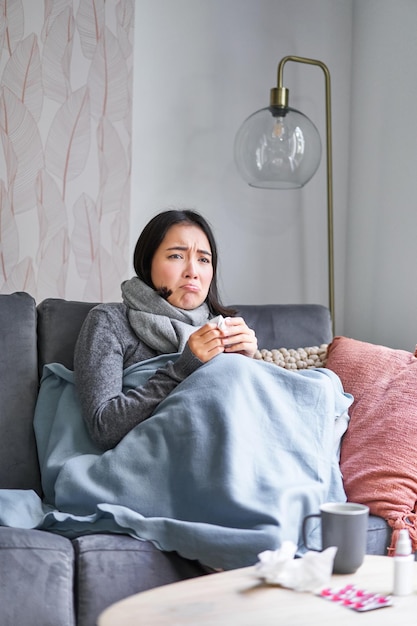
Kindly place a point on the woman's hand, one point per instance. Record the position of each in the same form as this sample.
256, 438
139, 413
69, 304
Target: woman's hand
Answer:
238, 338
234, 337
206, 342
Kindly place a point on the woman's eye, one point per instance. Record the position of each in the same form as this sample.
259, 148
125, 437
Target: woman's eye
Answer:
175, 256
205, 260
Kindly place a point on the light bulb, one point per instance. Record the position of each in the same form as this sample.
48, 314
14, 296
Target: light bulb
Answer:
279, 128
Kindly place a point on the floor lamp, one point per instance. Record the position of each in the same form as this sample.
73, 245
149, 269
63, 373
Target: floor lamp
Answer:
279, 148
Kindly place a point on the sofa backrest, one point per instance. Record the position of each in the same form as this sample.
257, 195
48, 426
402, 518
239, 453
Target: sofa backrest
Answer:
59, 322
288, 325
18, 392
276, 326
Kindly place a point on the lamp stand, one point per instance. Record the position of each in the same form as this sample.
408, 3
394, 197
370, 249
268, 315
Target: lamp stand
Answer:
279, 98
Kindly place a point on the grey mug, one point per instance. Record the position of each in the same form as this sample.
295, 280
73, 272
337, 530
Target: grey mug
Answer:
344, 525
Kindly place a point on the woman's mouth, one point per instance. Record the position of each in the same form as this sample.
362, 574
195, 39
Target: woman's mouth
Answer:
190, 287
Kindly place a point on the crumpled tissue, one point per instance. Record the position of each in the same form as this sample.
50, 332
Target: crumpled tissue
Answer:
308, 573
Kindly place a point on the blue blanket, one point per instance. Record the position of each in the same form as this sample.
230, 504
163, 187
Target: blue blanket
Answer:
228, 465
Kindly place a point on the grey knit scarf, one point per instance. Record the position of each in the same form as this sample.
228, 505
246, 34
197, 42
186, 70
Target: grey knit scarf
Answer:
157, 323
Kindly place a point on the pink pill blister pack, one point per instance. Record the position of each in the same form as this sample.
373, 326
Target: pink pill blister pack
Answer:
352, 597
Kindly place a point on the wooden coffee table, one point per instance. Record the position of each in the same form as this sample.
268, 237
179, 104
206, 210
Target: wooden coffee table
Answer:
239, 598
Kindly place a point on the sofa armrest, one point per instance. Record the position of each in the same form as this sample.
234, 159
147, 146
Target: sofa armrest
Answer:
18, 392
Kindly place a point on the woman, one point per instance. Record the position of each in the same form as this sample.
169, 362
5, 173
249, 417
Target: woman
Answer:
166, 308
191, 444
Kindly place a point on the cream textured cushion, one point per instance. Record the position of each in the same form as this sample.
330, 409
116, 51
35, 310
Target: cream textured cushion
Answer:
295, 359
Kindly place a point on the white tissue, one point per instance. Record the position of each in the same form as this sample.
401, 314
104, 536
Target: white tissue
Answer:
308, 573
219, 320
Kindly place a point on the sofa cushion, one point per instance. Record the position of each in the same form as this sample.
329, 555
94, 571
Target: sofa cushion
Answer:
378, 453
378, 538
18, 392
112, 567
36, 578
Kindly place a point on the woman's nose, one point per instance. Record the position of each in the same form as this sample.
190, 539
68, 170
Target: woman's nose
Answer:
191, 269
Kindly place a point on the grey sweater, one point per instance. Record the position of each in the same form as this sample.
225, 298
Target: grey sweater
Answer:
105, 347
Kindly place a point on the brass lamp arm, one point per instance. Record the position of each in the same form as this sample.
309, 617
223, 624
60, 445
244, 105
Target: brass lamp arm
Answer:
279, 98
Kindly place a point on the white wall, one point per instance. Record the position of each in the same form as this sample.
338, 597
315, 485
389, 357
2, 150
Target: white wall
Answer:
381, 287
203, 66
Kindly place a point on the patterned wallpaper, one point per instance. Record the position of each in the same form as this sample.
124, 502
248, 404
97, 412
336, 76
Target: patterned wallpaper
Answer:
65, 151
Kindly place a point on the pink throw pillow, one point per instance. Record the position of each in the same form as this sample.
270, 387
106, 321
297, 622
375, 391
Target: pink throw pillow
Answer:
379, 450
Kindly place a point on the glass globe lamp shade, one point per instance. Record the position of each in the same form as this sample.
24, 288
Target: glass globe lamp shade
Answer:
277, 148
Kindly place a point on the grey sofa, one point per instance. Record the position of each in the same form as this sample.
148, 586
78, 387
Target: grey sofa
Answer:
50, 580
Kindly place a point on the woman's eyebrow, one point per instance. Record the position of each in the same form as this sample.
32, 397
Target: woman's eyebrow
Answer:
185, 248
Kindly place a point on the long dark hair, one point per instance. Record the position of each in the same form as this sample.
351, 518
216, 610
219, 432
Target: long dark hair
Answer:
151, 238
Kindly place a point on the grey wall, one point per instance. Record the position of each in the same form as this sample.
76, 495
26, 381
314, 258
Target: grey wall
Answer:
203, 66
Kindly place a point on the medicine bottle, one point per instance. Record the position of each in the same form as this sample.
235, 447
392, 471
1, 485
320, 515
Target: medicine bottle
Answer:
403, 565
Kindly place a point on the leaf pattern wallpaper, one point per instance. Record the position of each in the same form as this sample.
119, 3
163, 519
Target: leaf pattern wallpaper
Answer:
65, 151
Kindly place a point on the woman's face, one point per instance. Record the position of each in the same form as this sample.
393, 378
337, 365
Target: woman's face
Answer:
183, 265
